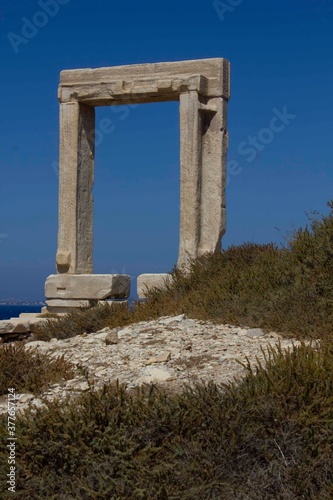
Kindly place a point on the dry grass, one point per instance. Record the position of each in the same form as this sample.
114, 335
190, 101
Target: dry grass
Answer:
30, 371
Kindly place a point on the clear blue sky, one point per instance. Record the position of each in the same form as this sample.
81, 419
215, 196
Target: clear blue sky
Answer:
281, 58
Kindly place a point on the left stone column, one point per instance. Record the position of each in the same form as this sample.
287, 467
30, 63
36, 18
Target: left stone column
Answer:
76, 178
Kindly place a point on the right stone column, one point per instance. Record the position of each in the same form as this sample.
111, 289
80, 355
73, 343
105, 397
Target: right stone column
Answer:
190, 176
213, 175
203, 151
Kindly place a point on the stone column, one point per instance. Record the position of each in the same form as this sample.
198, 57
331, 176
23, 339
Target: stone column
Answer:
213, 182
190, 176
76, 177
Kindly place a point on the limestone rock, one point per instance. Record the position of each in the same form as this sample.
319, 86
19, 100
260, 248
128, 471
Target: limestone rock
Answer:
36, 344
154, 375
162, 358
255, 332
22, 325
14, 326
111, 337
172, 319
28, 315
148, 281
31, 338
25, 398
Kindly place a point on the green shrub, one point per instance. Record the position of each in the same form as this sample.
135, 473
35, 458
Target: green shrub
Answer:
269, 436
28, 371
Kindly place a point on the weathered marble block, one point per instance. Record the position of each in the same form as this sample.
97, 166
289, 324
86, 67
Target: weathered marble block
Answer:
87, 286
147, 281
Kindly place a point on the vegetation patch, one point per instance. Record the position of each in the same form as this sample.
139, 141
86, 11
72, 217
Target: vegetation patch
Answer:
269, 436
30, 371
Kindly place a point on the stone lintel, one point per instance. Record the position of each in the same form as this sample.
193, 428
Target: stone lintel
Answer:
138, 91
147, 281
210, 68
145, 82
87, 286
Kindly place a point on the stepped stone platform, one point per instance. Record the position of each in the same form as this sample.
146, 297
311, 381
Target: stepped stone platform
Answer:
65, 292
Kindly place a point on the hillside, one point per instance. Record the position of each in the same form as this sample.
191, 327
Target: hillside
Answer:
267, 436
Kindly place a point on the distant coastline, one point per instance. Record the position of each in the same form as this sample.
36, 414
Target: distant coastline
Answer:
11, 302
13, 310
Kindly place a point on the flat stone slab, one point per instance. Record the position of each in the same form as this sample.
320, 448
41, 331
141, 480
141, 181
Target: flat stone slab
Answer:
64, 306
14, 326
67, 303
20, 325
28, 315
87, 286
154, 375
148, 281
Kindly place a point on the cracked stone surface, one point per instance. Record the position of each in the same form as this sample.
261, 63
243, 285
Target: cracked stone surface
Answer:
169, 351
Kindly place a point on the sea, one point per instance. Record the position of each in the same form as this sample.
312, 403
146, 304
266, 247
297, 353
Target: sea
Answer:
14, 310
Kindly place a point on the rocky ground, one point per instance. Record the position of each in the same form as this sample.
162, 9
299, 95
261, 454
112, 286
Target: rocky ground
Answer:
169, 351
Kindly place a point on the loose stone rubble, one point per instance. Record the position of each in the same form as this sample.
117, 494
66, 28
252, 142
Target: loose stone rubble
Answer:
169, 352
19, 328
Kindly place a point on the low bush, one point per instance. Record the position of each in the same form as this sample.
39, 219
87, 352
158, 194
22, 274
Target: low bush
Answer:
28, 371
267, 437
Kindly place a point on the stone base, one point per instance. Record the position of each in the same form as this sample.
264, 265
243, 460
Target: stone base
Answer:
87, 286
57, 306
147, 281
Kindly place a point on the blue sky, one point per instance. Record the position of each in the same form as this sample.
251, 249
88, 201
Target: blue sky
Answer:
281, 62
